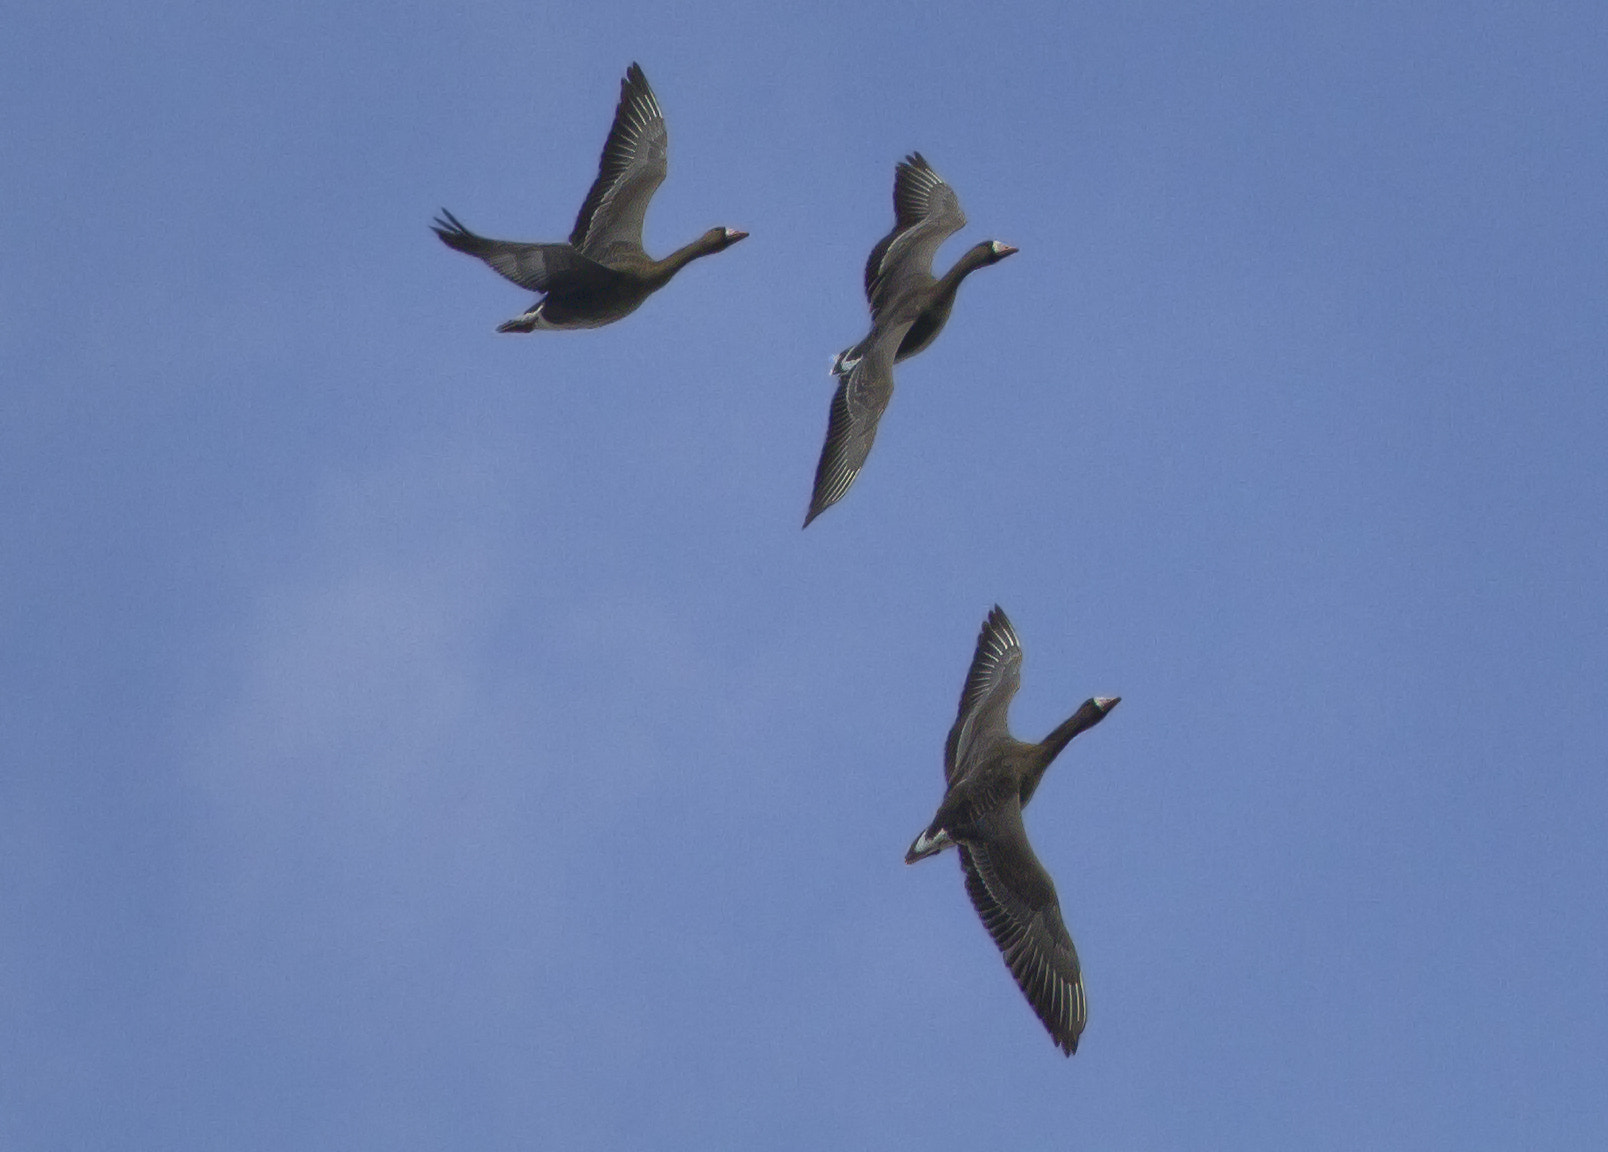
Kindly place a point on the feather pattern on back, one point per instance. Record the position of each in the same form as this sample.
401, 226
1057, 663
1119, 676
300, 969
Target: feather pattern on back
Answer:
926, 213
991, 684
1016, 901
633, 165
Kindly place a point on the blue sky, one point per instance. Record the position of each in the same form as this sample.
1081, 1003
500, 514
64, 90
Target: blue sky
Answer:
420, 738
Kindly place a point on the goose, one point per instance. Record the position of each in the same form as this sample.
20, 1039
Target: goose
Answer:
603, 274
909, 307
914, 183
990, 776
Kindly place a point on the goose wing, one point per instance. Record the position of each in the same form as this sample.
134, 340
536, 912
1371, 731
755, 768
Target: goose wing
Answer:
632, 167
1015, 898
857, 406
534, 266
995, 675
926, 212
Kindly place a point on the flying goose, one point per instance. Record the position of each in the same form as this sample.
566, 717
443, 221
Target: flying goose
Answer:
990, 777
603, 273
909, 307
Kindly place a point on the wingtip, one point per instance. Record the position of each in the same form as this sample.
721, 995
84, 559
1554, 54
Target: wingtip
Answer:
999, 622
635, 78
446, 226
819, 505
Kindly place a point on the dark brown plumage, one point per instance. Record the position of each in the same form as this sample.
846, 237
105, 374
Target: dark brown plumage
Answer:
990, 776
909, 307
603, 273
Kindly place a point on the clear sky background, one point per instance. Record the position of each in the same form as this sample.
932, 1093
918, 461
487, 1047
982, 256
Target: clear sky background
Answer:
420, 738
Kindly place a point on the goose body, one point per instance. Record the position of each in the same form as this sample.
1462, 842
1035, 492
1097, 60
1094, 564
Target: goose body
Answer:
909, 307
990, 776
603, 273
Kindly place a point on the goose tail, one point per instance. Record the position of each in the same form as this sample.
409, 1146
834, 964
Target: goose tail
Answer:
931, 842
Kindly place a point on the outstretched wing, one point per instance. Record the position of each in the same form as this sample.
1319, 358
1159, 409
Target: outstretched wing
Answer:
995, 675
533, 266
926, 212
1015, 898
632, 167
857, 406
